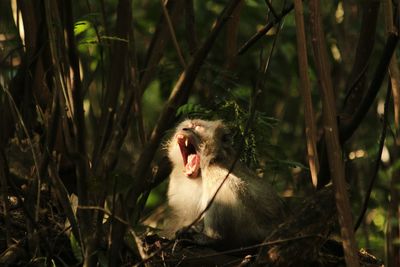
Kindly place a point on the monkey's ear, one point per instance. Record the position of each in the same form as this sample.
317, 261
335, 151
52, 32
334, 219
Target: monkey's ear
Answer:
227, 138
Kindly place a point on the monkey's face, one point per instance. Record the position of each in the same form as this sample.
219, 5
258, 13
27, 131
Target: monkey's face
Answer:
198, 143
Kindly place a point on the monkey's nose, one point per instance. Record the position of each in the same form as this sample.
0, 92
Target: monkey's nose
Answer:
186, 129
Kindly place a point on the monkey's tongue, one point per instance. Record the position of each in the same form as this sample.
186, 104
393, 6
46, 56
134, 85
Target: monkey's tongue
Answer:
192, 166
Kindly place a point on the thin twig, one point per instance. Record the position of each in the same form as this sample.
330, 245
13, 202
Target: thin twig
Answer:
378, 158
34, 156
173, 35
126, 223
272, 9
264, 30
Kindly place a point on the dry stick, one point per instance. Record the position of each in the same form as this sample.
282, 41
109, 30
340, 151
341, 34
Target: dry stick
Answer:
393, 67
378, 158
173, 35
264, 30
332, 136
305, 90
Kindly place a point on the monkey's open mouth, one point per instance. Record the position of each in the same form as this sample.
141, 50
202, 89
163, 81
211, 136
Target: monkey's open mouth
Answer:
191, 159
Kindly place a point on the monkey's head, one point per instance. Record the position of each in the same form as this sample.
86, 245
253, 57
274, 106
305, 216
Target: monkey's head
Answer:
198, 143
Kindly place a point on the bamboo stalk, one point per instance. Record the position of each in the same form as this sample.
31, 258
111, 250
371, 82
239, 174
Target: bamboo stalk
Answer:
332, 137
305, 91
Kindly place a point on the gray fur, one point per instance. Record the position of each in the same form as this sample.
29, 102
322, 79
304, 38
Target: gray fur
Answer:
245, 210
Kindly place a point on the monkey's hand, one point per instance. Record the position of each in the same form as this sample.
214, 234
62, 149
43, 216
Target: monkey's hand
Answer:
195, 236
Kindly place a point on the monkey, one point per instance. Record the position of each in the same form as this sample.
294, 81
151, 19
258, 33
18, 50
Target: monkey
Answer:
246, 208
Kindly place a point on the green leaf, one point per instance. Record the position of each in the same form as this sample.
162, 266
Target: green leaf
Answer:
191, 109
81, 26
76, 248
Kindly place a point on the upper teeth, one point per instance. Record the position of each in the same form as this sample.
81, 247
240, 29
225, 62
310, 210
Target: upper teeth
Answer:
186, 142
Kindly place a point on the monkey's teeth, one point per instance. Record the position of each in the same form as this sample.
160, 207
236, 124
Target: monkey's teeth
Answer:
187, 142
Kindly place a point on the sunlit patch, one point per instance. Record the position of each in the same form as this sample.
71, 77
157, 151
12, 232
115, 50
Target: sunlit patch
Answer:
336, 53
385, 157
339, 14
357, 154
